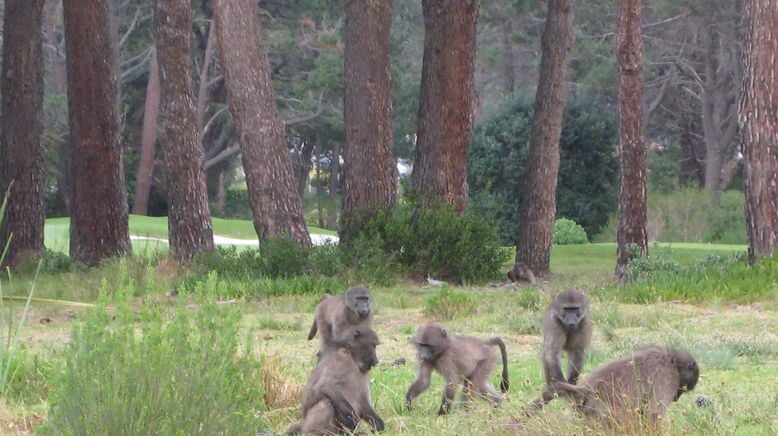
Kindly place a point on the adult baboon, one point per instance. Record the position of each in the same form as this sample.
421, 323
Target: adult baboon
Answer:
648, 381
337, 394
567, 326
459, 359
521, 271
334, 314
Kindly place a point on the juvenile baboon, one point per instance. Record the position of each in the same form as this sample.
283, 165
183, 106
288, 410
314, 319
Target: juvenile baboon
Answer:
647, 381
459, 359
334, 314
337, 394
567, 327
521, 271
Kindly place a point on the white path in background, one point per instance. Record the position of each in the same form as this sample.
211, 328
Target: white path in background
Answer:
317, 239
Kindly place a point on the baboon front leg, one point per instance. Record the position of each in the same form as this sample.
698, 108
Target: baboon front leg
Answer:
371, 416
577, 359
420, 385
448, 397
551, 367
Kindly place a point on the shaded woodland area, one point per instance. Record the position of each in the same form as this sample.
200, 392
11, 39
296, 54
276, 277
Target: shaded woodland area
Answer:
287, 112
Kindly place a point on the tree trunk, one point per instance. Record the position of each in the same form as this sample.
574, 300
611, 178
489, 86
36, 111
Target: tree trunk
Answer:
21, 146
275, 203
508, 59
370, 173
140, 203
446, 102
759, 125
189, 218
631, 234
317, 173
332, 211
98, 224
538, 208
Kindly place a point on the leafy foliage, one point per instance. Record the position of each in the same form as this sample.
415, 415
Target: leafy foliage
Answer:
568, 232
447, 304
587, 186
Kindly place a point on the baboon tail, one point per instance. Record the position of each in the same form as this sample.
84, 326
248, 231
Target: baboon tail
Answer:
314, 329
504, 383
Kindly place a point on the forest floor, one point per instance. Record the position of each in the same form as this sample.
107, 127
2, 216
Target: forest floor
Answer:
736, 346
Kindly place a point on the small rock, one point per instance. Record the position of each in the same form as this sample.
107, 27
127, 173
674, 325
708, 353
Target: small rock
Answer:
173, 293
268, 337
45, 320
702, 400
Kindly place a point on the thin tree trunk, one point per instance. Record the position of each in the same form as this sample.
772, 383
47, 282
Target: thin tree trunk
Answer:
332, 211
202, 89
189, 218
317, 174
140, 204
370, 173
538, 208
98, 224
758, 116
21, 145
221, 194
275, 203
508, 58
631, 235
446, 102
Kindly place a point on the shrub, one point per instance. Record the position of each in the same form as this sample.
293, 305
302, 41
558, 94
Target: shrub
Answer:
157, 376
644, 267
588, 172
369, 263
530, 299
283, 256
447, 304
568, 232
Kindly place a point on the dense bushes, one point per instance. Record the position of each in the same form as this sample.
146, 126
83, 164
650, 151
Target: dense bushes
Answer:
568, 232
148, 374
587, 187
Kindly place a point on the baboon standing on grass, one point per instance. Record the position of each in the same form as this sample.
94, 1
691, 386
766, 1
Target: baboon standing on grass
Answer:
459, 359
567, 326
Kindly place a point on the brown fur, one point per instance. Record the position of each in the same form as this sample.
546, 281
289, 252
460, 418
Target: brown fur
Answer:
521, 271
337, 394
335, 314
459, 359
567, 326
648, 381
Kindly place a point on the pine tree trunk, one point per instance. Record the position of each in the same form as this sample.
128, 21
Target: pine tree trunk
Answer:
538, 208
370, 173
148, 140
98, 223
189, 218
446, 102
275, 203
631, 235
21, 147
758, 116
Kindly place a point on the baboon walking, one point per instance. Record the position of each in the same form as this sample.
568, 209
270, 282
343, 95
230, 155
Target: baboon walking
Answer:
337, 394
567, 327
648, 381
335, 314
459, 359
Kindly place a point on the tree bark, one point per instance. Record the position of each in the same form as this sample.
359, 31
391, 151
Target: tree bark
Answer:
370, 173
140, 203
631, 234
446, 102
189, 218
275, 203
332, 212
98, 223
538, 209
21, 146
758, 116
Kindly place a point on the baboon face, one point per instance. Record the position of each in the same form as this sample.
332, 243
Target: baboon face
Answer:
431, 341
358, 301
362, 344
688, 371
571, 308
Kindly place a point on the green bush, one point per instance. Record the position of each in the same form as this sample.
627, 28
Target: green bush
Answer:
588, 174
447, 304
369, 263
148, 374
644, 267
283, 256
568, 232
530, 299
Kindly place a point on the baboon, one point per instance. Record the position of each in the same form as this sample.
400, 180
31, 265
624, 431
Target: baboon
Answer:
647, 381
337, 394
459, 359
521, 271
567, 326
334, 314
